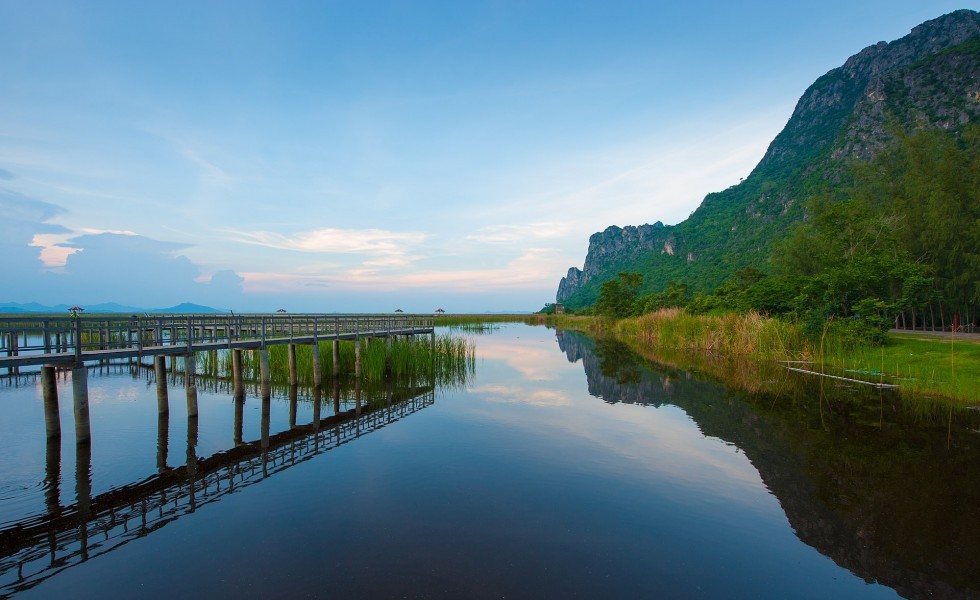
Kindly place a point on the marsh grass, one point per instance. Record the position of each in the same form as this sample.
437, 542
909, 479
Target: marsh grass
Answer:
448, 360
730, 346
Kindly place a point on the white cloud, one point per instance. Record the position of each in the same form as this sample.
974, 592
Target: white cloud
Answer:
520, 395
332, 240
494, 234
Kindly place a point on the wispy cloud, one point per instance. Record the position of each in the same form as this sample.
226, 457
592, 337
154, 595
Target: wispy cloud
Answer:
331, 240
503, 234
521, 395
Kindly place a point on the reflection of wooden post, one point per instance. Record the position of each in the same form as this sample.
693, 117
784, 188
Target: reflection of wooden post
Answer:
79, 385
52, 475
293, 400
291, 355
236, 373
317, 400
266, 410
336, 397
49, 390
83, 491
192, 458
239, 418
160, 371
163, 440
190, 383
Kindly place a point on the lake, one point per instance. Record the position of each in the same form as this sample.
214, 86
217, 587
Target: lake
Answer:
558, 467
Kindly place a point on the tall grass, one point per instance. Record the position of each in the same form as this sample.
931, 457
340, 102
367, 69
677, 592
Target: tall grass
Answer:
918, 367
448, 360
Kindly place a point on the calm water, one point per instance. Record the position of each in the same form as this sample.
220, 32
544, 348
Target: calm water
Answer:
562, 468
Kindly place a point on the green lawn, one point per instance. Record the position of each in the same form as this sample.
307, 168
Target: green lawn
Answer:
927, 365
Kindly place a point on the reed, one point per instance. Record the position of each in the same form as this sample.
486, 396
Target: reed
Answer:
446, 360
922, 368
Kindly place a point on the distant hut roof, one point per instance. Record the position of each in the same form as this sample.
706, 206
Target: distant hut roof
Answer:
281, 310
439, 310
399, 310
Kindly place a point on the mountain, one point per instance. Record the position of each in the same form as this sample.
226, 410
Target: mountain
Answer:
927, 79
106, 308
188, 308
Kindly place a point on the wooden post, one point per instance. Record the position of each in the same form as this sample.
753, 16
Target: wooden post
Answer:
264, 375
388, 355
160, 371
49, 390
357, 359
291, 355
336, 359
236, 373
317, 373
79, 385
190, 384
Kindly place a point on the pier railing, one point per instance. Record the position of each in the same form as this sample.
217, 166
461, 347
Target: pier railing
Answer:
36, 340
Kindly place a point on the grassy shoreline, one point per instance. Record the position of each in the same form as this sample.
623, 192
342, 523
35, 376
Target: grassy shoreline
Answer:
939, 368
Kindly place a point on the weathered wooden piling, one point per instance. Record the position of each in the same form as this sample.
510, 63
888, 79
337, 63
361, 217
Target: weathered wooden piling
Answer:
336, 359
317, 373
49, 392
265, 377
190, 383
291, 355
236, 373
79, 386
357, 359
160, 371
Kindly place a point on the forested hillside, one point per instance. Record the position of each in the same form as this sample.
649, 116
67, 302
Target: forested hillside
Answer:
884, 146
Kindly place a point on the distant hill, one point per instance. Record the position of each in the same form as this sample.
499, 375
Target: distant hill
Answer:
188, 308
925, 80
107, 308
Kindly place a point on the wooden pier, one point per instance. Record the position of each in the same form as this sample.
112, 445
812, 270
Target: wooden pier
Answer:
72, 341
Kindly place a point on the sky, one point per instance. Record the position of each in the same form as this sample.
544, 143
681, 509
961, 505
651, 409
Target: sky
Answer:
366, 156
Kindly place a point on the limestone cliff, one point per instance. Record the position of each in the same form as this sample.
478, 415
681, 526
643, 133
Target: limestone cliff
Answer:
929, 78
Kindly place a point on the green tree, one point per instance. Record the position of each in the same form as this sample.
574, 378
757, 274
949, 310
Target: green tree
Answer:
617, 297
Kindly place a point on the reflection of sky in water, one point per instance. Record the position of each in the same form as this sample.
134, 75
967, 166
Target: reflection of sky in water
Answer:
520, 485
663, 443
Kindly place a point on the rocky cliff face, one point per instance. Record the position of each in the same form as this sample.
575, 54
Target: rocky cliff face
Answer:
612, 247
929, 78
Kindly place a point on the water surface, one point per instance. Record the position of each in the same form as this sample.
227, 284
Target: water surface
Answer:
561, 468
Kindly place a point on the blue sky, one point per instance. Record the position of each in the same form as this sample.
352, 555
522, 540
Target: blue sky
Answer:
367, 156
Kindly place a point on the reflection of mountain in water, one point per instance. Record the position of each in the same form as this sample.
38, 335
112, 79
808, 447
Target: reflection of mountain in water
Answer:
888, 493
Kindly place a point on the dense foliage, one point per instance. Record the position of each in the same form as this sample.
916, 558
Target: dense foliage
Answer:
899, 246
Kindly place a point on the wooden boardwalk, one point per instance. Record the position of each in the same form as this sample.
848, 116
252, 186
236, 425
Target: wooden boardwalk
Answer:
72, 341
